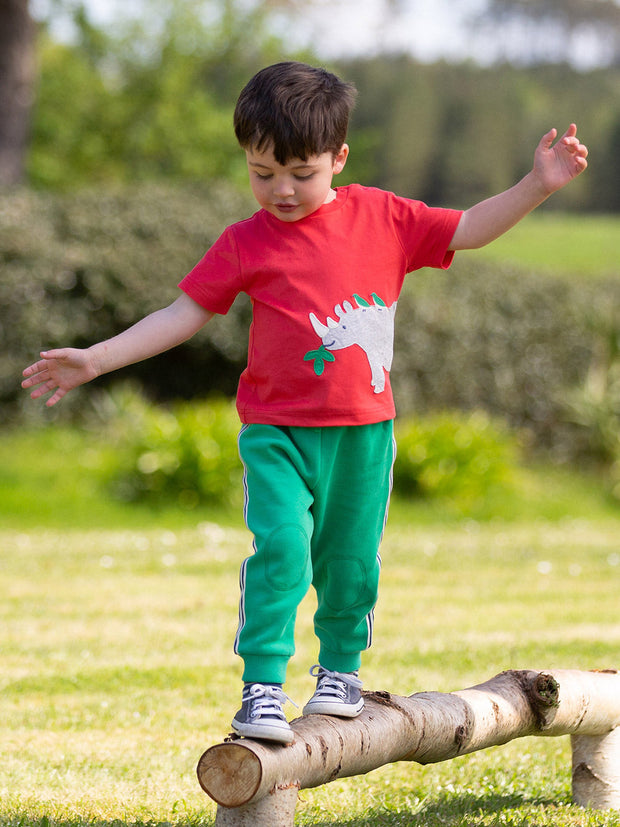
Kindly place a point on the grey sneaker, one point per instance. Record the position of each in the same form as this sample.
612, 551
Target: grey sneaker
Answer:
336, 693
261, 714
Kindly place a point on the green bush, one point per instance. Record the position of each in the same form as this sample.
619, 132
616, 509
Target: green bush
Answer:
184, 454
80, 268
508, 342
455, 455
594, 406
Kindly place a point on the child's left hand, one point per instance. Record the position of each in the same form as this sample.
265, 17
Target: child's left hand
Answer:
557, 164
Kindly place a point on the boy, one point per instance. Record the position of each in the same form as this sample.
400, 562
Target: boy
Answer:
324, 268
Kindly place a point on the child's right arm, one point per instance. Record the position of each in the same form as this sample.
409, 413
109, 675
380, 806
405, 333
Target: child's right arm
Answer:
63, 369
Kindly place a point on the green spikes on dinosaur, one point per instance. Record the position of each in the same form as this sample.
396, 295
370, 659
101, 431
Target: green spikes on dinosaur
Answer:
363, 303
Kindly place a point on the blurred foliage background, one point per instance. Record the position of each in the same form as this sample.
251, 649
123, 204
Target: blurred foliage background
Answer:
150, 95
128, 170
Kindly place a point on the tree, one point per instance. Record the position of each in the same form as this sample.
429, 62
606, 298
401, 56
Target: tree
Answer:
545, 31
17, 77
147, 95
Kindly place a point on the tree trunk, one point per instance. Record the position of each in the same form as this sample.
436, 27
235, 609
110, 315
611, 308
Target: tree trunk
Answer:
427, 727
596, 770
17, 77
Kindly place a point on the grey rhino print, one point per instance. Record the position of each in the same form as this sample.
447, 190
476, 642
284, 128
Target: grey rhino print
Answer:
370, 326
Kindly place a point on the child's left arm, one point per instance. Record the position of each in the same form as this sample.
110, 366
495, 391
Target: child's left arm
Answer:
554, 166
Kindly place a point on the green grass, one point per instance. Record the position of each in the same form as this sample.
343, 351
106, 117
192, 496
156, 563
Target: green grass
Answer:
52, 476
561, 244
116, 630
118, 670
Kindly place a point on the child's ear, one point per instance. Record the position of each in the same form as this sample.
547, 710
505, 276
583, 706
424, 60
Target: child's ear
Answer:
341, 159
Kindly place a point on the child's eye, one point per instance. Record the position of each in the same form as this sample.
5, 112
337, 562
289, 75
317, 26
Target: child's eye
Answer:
264, 177
304, 177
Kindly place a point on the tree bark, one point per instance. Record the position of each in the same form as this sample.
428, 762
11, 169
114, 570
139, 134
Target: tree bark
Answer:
427, 727
17, 78
596, 770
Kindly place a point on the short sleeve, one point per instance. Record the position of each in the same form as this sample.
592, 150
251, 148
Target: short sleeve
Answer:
424, 232
215, 281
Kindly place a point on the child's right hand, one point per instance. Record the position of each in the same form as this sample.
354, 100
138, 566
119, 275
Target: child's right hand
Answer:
60, 371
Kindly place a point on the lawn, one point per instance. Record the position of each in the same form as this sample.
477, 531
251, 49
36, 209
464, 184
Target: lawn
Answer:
579, 245
118, 671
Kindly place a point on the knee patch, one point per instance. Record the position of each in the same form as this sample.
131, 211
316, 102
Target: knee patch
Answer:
287, 553
346, 583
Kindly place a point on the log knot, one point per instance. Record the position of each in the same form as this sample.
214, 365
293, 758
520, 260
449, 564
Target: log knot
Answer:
380, 697
547, 690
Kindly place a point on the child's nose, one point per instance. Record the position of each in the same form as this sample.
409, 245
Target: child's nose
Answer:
284, 187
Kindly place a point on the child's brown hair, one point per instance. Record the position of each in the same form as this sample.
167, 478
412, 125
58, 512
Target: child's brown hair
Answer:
296, 109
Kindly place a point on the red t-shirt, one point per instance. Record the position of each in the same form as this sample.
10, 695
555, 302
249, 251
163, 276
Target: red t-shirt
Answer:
324, 292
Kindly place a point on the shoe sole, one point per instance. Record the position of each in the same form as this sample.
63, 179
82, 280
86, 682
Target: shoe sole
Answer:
261, 732
335, 709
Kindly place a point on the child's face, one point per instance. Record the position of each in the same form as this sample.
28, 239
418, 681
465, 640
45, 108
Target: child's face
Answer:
298, 188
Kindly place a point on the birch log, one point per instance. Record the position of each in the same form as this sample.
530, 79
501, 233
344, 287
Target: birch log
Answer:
427, 727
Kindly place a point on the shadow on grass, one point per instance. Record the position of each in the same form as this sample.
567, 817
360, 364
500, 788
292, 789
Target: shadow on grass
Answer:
466, 810
19, 820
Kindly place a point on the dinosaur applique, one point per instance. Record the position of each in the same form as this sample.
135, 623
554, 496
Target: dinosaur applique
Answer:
370, 326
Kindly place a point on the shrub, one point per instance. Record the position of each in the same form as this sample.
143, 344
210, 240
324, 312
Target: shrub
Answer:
594, 406
500, 340
184, 454
80, 268
453, 454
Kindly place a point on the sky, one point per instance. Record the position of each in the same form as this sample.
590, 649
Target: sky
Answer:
436, 29
427, 29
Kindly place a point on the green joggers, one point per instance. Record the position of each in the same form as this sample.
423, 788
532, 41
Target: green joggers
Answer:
316, 501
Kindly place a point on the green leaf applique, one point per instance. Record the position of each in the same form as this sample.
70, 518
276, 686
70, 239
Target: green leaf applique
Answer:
320, 356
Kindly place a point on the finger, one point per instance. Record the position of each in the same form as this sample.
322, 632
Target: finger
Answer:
548, 138
580, 149
35, 380
571, 131
43, 388
55, 398
35, 374
575, 147
570, 139
58, 353
36, 367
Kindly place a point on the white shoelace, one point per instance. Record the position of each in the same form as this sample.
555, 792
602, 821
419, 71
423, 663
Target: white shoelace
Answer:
333, 684
267, 701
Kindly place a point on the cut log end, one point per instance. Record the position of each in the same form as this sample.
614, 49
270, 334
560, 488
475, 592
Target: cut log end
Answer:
230, 774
